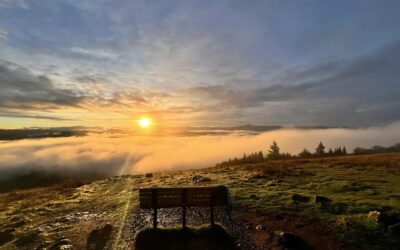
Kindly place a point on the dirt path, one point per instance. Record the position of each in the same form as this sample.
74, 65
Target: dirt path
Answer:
139, 218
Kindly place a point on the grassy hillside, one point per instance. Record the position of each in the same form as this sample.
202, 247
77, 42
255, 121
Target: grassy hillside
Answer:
278, 195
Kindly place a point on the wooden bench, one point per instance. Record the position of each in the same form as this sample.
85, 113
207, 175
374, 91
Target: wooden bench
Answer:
154, 198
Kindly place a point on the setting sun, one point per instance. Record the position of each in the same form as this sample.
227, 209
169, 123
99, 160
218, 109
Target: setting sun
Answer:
144, 122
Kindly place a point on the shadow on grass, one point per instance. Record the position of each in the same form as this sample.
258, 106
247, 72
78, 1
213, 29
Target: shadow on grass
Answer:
203, 238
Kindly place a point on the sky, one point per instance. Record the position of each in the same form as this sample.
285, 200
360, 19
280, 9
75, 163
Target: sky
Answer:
206, 63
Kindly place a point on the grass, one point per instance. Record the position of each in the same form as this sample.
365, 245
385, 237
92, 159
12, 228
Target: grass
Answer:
203, 238
355, 184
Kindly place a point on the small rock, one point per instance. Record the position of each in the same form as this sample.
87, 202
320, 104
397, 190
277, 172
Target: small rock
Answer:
260, 227
386, 220
149, 175
395, 229
300, 198
322, 199
99, 237
200, 179
374, 215
288, 240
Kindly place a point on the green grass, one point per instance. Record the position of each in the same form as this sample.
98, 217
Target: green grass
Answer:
355, 184
203, 238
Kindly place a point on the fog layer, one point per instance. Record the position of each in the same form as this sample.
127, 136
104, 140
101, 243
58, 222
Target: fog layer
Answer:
110, 155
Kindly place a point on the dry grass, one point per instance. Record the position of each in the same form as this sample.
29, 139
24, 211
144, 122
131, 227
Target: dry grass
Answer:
356, 185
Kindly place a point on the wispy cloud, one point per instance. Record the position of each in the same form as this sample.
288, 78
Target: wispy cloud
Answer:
94, 53
3, 34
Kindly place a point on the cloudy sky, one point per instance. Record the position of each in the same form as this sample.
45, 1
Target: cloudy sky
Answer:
273, 62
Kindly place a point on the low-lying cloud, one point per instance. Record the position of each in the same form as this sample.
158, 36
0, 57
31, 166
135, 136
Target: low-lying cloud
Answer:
109, 155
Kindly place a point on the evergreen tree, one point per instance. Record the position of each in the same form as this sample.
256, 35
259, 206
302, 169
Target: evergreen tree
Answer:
320, 150
330, 152
338, 151
260, 156
305, 153
273, 152
344, 151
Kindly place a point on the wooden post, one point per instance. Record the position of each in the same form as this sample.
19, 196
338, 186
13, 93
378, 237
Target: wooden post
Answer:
154, 205
212, 207
155, 218
212, 215
184, 201
183, 216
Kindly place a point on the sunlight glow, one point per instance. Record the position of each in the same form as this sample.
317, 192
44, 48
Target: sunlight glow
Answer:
144, 122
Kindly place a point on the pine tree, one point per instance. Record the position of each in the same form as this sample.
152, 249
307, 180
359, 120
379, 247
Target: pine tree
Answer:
260, 156
305, 153
320, 150
273, 152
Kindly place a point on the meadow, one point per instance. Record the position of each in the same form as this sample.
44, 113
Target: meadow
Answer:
325, 201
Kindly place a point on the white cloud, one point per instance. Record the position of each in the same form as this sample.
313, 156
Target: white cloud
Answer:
96, 53
3, 34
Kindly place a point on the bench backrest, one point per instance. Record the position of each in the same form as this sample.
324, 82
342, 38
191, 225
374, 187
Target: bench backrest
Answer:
182, 197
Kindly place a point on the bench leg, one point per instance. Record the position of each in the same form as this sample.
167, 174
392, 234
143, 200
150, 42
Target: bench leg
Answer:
183, 216
212, 215
155, 218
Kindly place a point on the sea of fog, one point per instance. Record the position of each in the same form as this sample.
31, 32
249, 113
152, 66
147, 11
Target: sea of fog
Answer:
109, 154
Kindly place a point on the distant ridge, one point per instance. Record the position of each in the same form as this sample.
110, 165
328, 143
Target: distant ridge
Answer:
256, 128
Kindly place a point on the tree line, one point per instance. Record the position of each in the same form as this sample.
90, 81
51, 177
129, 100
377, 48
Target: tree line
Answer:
273, 153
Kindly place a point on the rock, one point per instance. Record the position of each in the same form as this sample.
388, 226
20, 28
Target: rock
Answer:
290, 241
395, 229
386, 220
6, 235
200, 179
300, 198
260, 227
149, 175
322, 199
374, 215
99, 237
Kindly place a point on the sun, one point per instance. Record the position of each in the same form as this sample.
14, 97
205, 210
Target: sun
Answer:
144, 122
